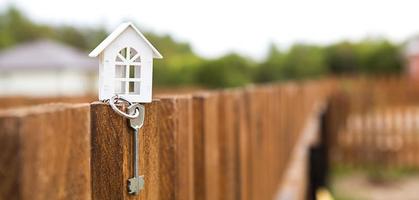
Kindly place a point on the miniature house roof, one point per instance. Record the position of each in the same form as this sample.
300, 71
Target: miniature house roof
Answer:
45, 54
121, 28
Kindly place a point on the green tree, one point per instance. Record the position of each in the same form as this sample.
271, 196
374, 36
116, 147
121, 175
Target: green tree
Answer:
342, 58
72, 36
93, 36
270, 69
304, 61
16, 28
179, 65
379, 56
228, 71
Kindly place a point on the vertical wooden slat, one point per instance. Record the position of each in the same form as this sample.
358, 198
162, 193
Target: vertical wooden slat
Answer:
184, 153
45, 152
271, 141
254, 121
10, 157
244, 148
176, 147
278, 125
206, 146
261, 135
282, 115
229, 149
112, 154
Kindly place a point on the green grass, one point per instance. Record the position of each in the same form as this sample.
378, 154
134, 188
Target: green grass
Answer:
375, 174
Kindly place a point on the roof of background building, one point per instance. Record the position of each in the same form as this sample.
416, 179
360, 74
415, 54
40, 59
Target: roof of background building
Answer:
45, 54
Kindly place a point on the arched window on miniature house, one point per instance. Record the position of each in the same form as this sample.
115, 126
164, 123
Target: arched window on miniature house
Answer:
127, 71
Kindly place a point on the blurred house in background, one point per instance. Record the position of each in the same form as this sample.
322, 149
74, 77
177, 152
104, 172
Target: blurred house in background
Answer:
46, 68
412, 55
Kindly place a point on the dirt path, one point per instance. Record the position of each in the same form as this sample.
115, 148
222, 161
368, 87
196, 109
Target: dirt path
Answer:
357, 186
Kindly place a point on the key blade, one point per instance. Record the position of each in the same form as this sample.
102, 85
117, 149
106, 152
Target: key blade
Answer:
139, 121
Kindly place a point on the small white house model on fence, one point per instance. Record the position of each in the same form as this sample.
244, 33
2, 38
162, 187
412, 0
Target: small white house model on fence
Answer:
126, 65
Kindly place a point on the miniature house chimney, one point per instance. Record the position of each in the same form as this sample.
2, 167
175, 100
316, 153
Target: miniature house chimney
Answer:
126, 65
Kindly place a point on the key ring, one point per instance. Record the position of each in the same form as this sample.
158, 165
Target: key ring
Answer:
119, 112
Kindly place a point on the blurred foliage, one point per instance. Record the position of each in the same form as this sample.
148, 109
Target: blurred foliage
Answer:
378, 56
342, 58
181, 66
369, 56
228, 71
301, 61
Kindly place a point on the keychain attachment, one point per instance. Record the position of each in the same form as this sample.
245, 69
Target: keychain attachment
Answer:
135, 115
116, 99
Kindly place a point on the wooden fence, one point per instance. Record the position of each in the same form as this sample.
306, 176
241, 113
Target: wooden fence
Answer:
376, 123
247, 143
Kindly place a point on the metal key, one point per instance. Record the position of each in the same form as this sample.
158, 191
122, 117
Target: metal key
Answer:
136, 183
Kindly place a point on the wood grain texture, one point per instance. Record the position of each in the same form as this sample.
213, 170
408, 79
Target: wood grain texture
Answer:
265, 140
176, 147
10, 158
254, 104
112, 153
166, 154
244, 147
206, 146
228, 136
45, 152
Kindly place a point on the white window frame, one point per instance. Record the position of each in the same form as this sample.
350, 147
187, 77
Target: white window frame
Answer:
127, 61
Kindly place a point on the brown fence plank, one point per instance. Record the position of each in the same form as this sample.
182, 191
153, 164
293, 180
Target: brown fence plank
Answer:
166, 156
256, 102
244, 148
176, 147
45, 152
228, 134
112, 153
206, 146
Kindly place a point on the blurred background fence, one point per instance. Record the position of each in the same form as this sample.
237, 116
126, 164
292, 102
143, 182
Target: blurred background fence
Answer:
377, 123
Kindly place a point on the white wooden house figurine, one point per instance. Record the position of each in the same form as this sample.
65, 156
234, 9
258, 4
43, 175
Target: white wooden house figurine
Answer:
126, 65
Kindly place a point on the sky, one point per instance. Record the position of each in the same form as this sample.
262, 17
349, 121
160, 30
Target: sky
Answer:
216, 27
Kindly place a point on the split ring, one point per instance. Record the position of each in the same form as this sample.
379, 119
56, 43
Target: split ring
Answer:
116, 98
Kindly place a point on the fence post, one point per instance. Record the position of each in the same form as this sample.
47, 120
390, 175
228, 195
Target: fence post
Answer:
45, 152
166, 151
112, 153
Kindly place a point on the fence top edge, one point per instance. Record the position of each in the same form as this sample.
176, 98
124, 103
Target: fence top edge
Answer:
40, 109
173, 96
